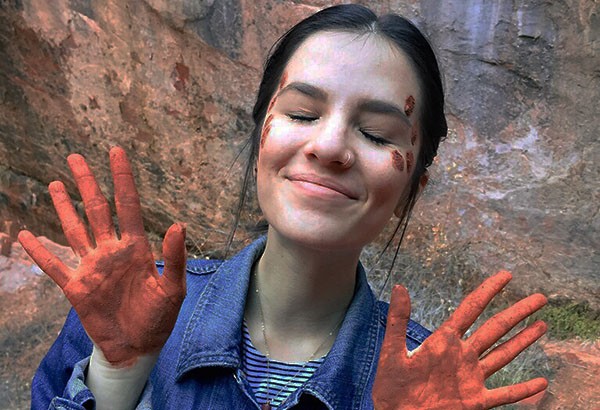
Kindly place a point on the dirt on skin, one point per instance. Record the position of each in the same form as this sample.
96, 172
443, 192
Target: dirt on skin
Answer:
33, 311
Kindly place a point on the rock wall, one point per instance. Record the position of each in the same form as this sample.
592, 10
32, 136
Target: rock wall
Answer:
173, 82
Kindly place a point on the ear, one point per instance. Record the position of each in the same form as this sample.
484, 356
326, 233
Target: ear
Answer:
423, 180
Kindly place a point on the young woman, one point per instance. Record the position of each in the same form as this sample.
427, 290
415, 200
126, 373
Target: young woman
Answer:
349, 115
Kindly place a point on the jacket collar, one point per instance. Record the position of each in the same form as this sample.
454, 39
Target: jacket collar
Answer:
213, 333
346, 370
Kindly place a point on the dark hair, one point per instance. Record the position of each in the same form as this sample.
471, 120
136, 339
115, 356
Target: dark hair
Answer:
358, 19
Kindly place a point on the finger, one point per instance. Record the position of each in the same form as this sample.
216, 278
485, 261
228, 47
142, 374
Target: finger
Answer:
96, 206
175, 257
472, 306
127, 200
397, 320
501, 323
73, 227
507, 351
47, 261
514, 393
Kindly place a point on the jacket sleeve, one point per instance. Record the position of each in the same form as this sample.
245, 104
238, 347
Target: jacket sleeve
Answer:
58, 381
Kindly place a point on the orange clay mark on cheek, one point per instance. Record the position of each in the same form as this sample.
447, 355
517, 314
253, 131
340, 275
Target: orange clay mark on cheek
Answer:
409, 105
397, 160
410, 159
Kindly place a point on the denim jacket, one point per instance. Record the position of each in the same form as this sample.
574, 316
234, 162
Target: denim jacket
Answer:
199, 366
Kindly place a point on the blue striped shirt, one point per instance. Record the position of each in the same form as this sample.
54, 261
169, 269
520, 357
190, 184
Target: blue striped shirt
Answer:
283, 378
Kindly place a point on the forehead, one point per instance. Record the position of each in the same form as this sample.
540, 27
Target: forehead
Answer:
348, 64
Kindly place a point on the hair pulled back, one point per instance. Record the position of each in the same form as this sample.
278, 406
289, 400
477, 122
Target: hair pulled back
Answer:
399, 31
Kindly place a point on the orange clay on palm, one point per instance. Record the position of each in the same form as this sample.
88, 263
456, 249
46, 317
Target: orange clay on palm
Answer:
409, 105
448, 371
125, 306
397, 160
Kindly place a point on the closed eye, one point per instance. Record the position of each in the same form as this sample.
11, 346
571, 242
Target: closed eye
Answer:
302, 117
377, 140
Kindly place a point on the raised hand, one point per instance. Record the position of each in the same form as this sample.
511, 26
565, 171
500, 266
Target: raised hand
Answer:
125, 306
447, 371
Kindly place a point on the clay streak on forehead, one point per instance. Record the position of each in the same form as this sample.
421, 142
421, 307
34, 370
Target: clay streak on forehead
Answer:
279, 87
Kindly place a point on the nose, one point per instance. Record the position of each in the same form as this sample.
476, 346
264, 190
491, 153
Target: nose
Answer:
330, 144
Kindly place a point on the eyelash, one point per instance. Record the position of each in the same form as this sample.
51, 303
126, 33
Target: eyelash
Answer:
301, 118
373, 138
306, 118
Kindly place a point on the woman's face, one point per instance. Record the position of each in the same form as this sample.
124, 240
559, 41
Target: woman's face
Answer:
339, 142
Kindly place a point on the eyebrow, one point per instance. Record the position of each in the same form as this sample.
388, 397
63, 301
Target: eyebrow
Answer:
369, 105
383, 107
306, 89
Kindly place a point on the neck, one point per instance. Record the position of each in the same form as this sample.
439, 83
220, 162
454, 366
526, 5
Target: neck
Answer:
304, 294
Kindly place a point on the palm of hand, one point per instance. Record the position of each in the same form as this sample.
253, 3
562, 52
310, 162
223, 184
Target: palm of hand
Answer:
114, 290
125, 306
432, 376
447, 372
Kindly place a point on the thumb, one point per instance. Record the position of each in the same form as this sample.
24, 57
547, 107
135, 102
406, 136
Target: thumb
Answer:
397, 320
174, 254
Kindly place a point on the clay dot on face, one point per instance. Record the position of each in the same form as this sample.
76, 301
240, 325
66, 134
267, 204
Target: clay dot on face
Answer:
413, 134
397, 160
409, 105
410, 159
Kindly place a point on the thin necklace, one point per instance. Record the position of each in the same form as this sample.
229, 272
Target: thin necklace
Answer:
267, 404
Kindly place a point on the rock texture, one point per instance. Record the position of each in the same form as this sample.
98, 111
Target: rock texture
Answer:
173, 82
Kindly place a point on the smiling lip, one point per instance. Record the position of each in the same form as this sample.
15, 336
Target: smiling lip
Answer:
324, 182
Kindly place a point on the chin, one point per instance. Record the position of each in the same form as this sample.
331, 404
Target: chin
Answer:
320, 238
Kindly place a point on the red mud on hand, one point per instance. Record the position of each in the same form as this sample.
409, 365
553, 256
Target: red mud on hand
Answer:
446, 371
125, 306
